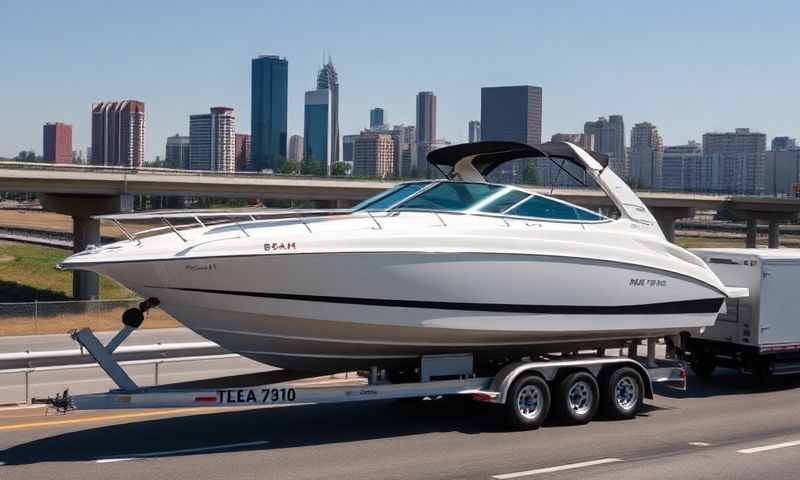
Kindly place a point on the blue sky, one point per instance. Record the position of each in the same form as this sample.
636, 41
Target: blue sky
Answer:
688, 67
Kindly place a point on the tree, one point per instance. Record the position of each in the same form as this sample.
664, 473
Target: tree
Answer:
289, 167
340, 169
312, 167
531, 175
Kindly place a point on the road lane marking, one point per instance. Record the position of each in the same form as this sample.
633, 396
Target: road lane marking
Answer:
135, 456
602, 461
123, 416
770, 447
699, 444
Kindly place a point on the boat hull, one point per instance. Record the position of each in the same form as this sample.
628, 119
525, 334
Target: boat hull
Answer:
331, 311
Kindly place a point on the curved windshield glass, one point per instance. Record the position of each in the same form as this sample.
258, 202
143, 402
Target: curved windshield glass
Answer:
451, 196
546, 208
390, 197
503, 202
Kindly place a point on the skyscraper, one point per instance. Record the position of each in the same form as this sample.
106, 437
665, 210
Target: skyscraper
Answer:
784, 143
682, 168
474, 130
177, 154
782, 172
118, 133
647, 155
212, 140
242, 152
317, 128
609, 139
741, 160
426, 126
269, 106
57, 142
512, 114
296, 148
376, 119
374, 155
328, 79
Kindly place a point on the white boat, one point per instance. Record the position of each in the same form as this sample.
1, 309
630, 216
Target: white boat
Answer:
458, 265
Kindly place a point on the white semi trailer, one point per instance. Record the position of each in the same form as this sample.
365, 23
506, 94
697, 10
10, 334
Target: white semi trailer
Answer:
760, 333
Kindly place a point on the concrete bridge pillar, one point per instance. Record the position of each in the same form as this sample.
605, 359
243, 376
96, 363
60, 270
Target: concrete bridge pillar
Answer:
85, 230
666, 217
751, 239
774, 234
758, 212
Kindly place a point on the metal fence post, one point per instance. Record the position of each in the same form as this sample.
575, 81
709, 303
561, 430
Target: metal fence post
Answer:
27, 387
156, 372
36, 316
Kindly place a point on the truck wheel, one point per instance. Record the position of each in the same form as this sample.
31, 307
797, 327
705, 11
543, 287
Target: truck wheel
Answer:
702, 365
528, 403
624, 393
578, 398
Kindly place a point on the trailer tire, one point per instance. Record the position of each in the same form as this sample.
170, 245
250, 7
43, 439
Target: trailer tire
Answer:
624, 393
578, 398
527, 403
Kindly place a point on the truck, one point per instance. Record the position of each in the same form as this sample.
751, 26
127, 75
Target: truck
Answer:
759, 334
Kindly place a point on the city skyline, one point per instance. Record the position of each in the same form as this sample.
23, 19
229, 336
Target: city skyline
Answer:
579, 89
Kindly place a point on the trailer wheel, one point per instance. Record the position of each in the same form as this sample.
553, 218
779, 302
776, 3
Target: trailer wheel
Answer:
624, 393
528, 403
578, 398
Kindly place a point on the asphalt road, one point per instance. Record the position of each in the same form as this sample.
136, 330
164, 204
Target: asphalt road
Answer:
725, 428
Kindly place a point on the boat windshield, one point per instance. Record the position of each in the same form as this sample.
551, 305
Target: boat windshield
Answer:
391, 197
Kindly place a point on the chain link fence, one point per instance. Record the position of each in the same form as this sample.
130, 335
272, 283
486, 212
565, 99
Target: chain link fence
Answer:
36, 318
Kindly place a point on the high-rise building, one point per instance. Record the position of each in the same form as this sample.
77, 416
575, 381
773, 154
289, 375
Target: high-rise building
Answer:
376, 119
646, 156
609, 139
426, 125
177, 154
242, 152
741, 160
212, 140
782, 172
474, 131
269, 105
328, 79
317, 128
296, 148
511, 114
682, 168
374, 155
57, 143
348, 149
783, 143
118, 133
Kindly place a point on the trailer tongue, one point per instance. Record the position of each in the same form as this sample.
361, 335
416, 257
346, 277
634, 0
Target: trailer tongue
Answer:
580, 385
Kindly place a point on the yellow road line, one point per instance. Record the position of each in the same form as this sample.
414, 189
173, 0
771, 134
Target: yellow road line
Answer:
121, 416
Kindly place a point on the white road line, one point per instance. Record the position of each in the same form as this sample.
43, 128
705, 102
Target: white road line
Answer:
699, 444
770, 447
135, 456
602, 461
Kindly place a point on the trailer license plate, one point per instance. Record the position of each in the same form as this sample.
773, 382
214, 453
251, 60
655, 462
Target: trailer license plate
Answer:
252, 395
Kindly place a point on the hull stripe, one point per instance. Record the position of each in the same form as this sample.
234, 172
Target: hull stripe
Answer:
705, 305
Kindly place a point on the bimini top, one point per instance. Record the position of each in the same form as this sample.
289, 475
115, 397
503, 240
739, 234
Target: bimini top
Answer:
486, 156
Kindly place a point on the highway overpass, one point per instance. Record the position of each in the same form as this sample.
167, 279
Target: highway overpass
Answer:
83, 191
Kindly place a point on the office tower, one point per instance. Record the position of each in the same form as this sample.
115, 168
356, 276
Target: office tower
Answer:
376, 119
317, 128
646, 156
177, 155
512, 114
212, 140
241, 152
373, 155
348, 149
782, 172
609, 139
269, 105
118, 133
682, 168
426, 127
741, 161
328, 79
783, 143
296, 148
57, 143
474, 131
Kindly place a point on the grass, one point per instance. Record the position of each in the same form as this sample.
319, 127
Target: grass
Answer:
28, 273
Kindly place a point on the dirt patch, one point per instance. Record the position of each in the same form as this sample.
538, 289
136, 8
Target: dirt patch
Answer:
26, 323
7, 258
